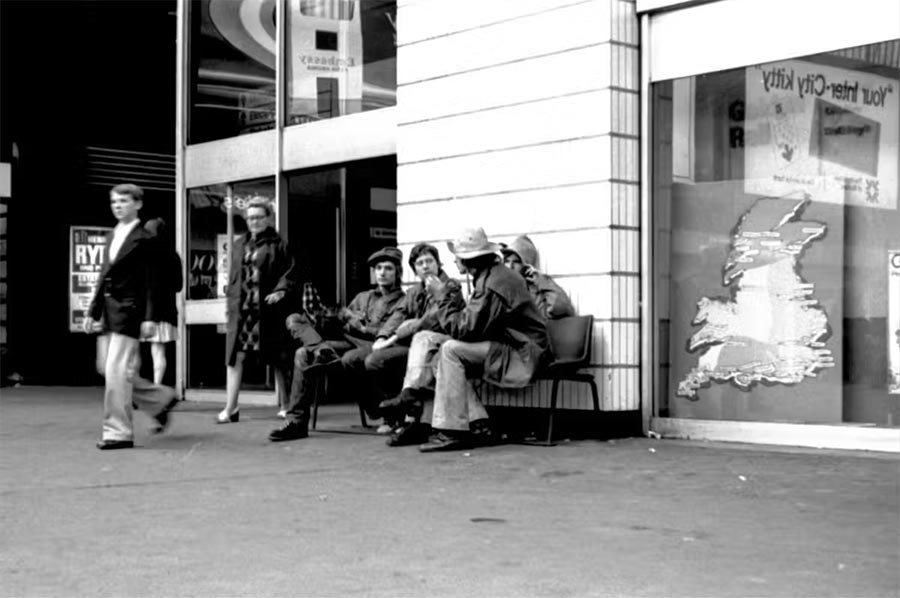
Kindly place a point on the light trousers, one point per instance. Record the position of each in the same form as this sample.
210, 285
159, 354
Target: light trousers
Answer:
420, 362
456, 403
119, 356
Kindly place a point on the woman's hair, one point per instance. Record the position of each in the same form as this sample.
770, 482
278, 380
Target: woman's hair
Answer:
261, 202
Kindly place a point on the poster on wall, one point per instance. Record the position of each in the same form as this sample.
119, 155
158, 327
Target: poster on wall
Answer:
827, 131
893, 334
87, 254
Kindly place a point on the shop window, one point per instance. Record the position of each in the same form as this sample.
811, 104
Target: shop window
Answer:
343, 58
207, 265
232, 68
777, 240
366, 192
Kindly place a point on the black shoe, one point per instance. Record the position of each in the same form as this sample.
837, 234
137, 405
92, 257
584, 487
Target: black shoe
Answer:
443, 441
483, 433
409, 433
110, 445
162, 418
292, 430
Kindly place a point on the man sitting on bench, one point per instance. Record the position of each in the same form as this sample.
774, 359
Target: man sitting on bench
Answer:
498, 336
362, 319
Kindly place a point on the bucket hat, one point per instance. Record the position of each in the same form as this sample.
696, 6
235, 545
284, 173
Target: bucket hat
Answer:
472, 242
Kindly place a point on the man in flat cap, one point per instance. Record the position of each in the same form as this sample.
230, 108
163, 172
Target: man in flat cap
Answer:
362, 320
498, 336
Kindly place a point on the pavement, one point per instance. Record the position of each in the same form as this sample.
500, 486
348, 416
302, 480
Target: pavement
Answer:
218, 510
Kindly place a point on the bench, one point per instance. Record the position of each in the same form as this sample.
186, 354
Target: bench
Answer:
570, 343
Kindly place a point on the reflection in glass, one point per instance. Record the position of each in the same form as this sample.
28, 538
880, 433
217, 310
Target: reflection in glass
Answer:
343, 57
208, 250
775, 196
232, 68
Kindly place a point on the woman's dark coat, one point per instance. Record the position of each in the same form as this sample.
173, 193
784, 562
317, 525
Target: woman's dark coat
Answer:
277, 272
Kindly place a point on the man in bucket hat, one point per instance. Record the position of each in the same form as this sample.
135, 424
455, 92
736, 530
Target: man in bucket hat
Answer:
362, 320
498, 336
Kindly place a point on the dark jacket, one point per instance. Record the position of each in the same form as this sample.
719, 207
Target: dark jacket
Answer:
500, 310
420, 304
551, 300
277, 272
127, 292
368, 312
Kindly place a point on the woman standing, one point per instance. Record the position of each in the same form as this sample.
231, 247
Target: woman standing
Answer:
171, 280
263, 273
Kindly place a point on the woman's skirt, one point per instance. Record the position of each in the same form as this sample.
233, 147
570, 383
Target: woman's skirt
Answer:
165, 333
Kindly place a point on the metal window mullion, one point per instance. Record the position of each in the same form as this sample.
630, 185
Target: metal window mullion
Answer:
181, 195
649, 331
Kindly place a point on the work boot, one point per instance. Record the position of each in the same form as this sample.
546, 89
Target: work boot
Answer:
409, 433
291, 430
483, 433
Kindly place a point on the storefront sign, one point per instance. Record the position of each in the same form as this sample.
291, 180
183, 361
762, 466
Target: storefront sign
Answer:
893, 332
87, 254
827, 131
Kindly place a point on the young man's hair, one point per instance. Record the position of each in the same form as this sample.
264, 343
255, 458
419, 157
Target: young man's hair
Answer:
130, 189
261, 202
417, 251
481, 262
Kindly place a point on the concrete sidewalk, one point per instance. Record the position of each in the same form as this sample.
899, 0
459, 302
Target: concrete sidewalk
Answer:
208, 510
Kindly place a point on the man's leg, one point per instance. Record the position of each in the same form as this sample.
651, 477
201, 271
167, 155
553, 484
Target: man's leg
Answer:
420, 361
117, 408
303, 382
356, 382
385, 369
455, 400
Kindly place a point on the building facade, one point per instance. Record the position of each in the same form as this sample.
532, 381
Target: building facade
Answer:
725, 209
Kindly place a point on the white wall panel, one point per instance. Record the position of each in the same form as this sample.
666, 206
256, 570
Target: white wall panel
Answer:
567, 117
573, 207
584, 24
335, 140
235, 159
580, 161
424, 19
586, 69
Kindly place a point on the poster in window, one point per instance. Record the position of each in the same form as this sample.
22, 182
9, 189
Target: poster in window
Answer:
827, 131
894, 321
87, 254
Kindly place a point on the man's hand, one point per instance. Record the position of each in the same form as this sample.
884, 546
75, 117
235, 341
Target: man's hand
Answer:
384, 343
530, 272
408, 328
148, 329
433, 284
87, 324
274, 297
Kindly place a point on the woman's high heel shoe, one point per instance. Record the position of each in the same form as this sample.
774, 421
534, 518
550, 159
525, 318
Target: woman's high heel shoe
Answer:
228, 418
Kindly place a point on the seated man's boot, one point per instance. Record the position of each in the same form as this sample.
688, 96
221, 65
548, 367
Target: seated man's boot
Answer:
291, 430
409, 433
447, 440
483, 433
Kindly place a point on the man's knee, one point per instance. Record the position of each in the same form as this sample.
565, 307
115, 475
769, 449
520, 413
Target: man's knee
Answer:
452, 349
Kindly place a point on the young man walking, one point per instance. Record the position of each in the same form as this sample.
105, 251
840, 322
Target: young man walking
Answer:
126, 306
